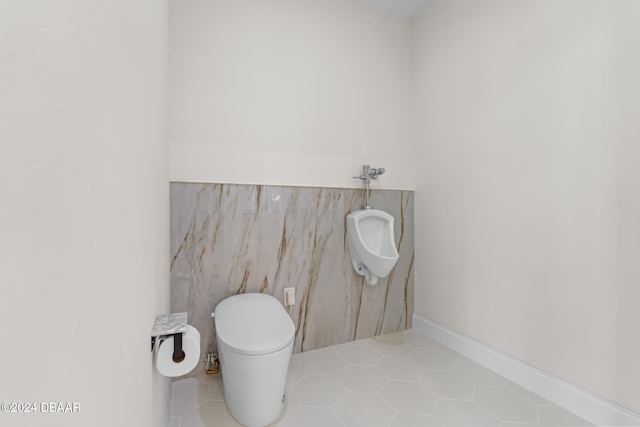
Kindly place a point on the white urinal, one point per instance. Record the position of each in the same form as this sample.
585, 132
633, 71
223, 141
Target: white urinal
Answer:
371, 243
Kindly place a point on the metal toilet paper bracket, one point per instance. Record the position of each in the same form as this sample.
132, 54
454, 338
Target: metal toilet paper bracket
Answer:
170, 325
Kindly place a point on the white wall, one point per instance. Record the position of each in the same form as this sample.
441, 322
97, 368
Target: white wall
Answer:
84, 208
527, 204
289, 92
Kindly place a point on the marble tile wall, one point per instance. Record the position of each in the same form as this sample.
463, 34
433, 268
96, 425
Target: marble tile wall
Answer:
228, 239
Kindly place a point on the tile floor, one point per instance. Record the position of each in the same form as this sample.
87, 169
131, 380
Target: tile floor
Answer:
402, 379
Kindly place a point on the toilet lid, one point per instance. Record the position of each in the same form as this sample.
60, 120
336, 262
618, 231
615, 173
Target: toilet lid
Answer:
253, 324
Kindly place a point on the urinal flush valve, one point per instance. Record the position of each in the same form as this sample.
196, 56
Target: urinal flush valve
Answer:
368, 173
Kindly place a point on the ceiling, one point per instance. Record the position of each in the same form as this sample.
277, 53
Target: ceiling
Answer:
405, 8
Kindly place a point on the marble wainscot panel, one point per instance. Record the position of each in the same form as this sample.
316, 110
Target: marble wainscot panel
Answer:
228, 239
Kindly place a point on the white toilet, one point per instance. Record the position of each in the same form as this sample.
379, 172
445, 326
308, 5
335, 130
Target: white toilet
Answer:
255, 339
371, 243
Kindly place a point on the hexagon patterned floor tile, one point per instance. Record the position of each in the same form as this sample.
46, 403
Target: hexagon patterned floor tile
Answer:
362, 378
318, 390
360, 355
403, 379
409, 397
447, 385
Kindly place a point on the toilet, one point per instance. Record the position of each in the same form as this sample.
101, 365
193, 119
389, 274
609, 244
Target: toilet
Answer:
254, 335
371, 243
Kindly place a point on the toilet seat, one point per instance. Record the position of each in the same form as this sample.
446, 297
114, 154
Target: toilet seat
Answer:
253, 324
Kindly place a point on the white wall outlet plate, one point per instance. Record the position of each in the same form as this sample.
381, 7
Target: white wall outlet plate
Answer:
289, 297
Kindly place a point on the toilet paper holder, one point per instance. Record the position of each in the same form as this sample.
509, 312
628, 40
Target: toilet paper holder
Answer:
170, 325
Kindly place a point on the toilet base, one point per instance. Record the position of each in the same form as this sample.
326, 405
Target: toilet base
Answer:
254, 385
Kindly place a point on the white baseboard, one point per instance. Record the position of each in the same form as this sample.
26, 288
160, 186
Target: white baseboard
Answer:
582, 403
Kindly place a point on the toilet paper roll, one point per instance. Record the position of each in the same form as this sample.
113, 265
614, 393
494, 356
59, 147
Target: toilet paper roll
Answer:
193, 332
191, 347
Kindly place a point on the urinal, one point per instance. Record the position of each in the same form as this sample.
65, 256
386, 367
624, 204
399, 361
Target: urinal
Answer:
371, 243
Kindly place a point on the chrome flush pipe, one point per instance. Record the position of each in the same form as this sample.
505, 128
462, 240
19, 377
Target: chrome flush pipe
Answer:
368, 173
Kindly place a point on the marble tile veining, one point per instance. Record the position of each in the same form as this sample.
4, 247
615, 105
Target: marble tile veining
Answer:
228, 239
